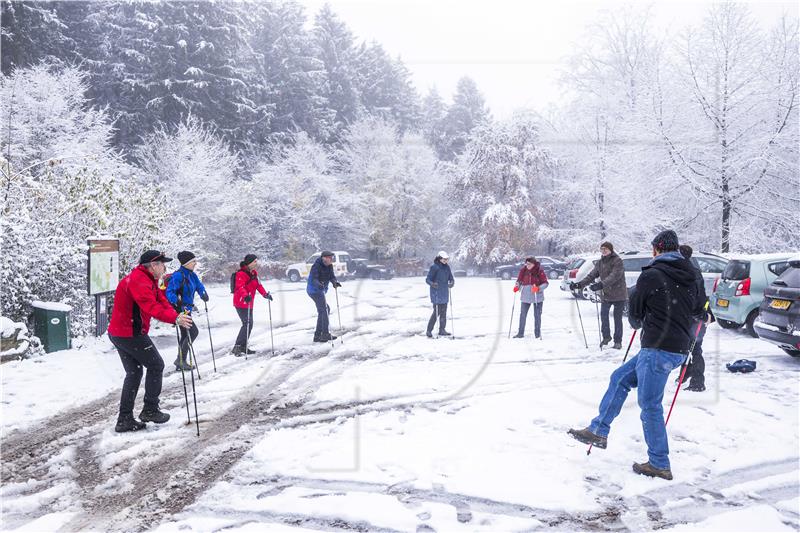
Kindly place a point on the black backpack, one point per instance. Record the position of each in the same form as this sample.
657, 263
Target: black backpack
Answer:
233, 282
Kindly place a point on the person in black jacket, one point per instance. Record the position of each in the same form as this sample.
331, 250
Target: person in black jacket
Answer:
695, 370
664, 305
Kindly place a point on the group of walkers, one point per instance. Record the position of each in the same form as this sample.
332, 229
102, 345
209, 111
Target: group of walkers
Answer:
668, 304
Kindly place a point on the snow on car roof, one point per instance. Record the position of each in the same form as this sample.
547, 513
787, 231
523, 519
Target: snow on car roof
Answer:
764, 257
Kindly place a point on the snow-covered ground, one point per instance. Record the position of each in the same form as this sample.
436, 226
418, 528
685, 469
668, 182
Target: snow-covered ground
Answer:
390, 430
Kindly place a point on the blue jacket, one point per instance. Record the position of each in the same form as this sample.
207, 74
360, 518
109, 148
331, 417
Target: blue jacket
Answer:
319, 277
441, 275
184, 282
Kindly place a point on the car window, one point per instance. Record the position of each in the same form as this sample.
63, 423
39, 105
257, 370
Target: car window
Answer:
544, 260
736, 269
344, 258
790, 276
312, 258
635, 264
709, 266
778, 268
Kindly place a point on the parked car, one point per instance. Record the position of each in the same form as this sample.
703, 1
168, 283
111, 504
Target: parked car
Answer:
778, 320
738, 292
552, 267
710, 265
574, 264
581, 267
360, 268
298, 271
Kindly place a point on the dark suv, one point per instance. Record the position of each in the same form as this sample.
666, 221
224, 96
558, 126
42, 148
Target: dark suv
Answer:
360, 268
778, 320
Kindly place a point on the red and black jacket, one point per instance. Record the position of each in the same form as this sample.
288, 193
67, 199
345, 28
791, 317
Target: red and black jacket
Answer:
246, 285
534, 276
136, 300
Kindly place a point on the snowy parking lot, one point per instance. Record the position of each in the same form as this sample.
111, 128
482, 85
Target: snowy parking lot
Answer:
392, 431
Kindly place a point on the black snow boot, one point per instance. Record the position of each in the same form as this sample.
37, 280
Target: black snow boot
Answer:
444, 333
517, 336
128, 423
250, 352
646, 469
237, 350
429, 334
326, 337
150, 414
617, 345
587, 437
185, 365
695, 387
605, 341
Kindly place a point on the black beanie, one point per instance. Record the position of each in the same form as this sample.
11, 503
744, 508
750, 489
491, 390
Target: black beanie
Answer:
666, 241
184, 257
249, 258
608, 245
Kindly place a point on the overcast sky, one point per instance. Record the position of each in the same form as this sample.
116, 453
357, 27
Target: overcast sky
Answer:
512, 48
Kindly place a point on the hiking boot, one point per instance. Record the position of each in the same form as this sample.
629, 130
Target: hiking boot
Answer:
587, 437
444, 333
517, 336
153, 415
128, 423
250, 352
429, 334
605, 341
237, 350
182, 366
617, 346
696, 387
646, 469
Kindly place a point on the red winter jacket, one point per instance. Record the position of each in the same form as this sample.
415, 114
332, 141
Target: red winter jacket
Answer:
137, 299
534, 276
246, 285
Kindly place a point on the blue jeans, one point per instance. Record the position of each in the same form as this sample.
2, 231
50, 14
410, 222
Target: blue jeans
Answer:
648, 370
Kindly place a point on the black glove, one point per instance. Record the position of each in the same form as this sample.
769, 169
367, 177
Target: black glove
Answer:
268, 296
596, 286
204, 297
573, 286
336, 284
450, 284
435, 285
248, 298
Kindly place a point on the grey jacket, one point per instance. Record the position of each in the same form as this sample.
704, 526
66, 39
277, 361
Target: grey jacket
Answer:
612, 273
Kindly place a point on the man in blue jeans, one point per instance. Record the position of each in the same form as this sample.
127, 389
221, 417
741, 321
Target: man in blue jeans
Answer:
664, 304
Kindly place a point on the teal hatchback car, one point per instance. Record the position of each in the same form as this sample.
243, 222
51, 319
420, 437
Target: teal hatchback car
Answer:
738, 293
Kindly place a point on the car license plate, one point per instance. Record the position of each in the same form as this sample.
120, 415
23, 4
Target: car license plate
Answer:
780, 304
722, 303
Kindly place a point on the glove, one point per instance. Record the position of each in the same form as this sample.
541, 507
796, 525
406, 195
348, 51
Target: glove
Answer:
534, 288
573, 286
268, 296
204, 297
596, 286
435, 285
336, 284
247, 299
516, 287
450, 284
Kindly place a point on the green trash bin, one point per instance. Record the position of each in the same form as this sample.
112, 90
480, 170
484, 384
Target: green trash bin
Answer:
51, 325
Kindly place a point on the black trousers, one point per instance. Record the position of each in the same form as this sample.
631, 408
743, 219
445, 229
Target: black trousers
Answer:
183, 346
697, 368
246, 316
439, 310
605, 307
322, 314
537, 318
135, 353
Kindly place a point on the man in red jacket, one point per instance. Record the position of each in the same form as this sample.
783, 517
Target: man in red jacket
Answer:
136, 300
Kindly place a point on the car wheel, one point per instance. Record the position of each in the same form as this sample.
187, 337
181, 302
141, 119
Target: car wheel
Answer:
793, 353
505, 275
294, 276
727, 324
552, 274
375, 275
748, 325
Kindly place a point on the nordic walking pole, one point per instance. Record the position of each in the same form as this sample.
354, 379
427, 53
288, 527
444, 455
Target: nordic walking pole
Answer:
685, 365
511, 322
191, 353
247, 337
208, 322
599, 328
180, 359
194, 392
339, 314
629, 346
577, 305
271, 338
452, 316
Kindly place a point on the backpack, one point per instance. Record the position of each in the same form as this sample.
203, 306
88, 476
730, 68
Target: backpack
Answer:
233, 282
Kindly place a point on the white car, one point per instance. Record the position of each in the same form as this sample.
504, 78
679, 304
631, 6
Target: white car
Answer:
298, 271
577, 268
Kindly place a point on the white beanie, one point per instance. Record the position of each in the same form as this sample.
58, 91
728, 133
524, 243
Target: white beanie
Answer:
443, 255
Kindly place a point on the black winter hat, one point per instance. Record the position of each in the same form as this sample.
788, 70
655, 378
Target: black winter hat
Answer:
326, 253
249, 258
666, 241
608, 245
152, 256
184, 257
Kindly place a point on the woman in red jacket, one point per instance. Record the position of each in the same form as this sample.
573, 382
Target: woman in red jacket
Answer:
136, 300
532, 281
245, 288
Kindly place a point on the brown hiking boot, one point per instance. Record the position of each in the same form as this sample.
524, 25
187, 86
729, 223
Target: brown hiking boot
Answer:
646, 469
587, 437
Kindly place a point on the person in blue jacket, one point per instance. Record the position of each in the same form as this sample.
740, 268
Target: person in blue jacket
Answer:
318, 279
441, 281
182, 285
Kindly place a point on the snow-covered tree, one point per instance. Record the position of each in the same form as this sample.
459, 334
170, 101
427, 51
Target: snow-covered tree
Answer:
468, 111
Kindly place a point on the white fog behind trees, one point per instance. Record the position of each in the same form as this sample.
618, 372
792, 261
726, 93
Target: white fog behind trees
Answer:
264, 133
